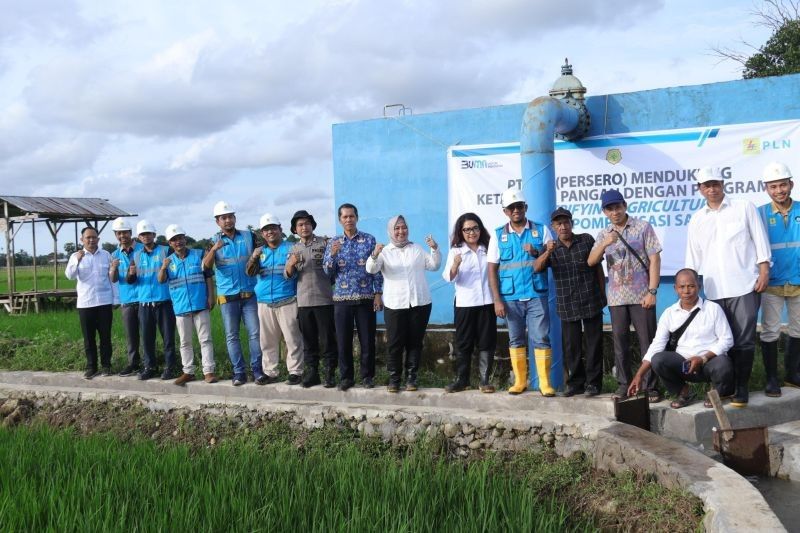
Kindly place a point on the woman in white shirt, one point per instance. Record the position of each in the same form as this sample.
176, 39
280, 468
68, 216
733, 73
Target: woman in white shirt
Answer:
475, 320
406, 298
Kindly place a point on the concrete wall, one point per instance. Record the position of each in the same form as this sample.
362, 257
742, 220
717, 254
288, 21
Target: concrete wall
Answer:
399, 165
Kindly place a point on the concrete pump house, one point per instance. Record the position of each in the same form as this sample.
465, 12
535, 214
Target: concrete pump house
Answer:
647, 144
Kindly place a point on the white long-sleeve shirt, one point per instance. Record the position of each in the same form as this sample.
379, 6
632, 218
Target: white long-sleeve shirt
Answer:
94, 285
725, 246
403, 269
709, 330
472, 279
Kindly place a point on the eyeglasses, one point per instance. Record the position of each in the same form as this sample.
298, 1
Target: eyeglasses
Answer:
519, 206
471, 229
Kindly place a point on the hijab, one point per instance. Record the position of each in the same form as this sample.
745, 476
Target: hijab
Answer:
390, 228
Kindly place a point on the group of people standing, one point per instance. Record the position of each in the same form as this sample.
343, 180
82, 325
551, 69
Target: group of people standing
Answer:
312, 293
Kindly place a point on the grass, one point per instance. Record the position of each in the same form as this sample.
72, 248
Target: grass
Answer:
55, 481
44, 278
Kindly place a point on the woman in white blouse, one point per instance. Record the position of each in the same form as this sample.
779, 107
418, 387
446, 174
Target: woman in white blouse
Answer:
406, 298
475, 320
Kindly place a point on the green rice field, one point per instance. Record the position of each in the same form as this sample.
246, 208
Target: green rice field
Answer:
54, 480
44, 278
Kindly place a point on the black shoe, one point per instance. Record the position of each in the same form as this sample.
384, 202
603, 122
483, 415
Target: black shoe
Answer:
263, 379
147, 373
129, 370
411, 386
167, 374
107, 371
239, 379
368, 383
621, 394
294, 379
591, 390
345, 384
393, 388
311, 379
90, 373
330, 378
456, 386
572, 391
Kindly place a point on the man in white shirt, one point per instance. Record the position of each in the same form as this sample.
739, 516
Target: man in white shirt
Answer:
699, 353
90, 266
727, 244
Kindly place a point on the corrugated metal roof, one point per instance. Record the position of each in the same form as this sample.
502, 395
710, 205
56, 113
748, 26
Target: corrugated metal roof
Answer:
54, 208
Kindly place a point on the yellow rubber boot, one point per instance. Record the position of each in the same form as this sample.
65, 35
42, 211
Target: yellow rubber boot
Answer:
519, 363
543, 357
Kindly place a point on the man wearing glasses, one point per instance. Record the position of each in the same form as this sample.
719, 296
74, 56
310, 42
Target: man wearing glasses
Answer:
519, 293
633, 259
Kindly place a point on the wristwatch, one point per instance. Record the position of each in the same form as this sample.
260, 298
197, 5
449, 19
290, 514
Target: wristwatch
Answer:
652, 291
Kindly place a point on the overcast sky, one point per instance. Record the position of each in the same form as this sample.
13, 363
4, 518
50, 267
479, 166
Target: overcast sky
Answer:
166, 107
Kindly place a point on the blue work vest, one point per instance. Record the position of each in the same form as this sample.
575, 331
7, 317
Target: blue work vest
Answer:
272, 286
147, 267
518, 281
128, 292
187, 283
784, 240
231, 262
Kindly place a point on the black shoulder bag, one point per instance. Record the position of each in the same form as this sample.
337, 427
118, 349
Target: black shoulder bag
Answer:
674, 336
629, 247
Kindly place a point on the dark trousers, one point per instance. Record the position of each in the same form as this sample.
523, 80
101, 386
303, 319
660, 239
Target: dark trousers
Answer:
157, 315
405, 330
361, 314
319, 335
573, 333
475, 326
718, 371
130, 322
96, 321
644, 322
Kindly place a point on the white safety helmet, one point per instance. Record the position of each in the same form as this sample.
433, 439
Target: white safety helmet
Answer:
145, 226
512, 196
709, 174
173, 230
121, 224
222, 208
268, 219
776, 171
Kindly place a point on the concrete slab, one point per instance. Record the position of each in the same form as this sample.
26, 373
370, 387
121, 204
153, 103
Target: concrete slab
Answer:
784, 450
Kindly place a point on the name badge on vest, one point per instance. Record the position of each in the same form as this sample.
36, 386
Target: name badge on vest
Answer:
534, 233
504, 237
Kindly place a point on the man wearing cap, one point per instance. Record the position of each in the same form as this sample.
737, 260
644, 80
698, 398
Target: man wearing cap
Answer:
314, 301
633, 260
727, 244
155, 306
123, 272
276, 292
229, 252
781, 218
357, 296
580, 298
519, 293
90, 267
191, 290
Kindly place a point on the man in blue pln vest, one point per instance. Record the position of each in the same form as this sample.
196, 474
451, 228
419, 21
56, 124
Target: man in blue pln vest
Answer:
192, 292
781, 218
235, 292
123, 272
155, 307
520, 294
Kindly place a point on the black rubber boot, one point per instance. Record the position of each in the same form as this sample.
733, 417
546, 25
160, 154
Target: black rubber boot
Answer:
485, 362
330, 375
769, 351
742, 366
791, 361
462, 374
394, 364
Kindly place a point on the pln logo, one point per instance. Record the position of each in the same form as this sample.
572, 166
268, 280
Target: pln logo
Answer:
756, 145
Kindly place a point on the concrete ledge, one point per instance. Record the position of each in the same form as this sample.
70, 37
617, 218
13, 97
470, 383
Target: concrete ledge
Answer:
694, 423
784, 450
731, 503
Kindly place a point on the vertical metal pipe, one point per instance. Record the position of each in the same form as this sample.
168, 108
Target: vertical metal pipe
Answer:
543, 118
9, 258
33, 232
